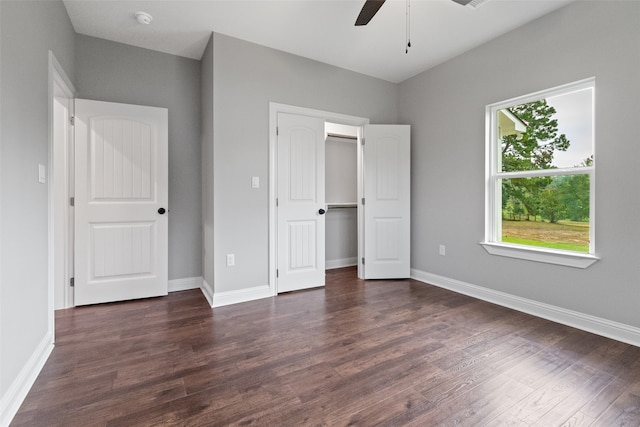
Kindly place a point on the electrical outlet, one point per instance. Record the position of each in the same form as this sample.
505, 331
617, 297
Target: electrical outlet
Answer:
231, 260
442, 250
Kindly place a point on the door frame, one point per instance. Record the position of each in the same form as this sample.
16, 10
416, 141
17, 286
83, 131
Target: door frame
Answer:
327, 116
59, 87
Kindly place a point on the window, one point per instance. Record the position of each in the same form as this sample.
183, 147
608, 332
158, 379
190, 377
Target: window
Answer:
540, 176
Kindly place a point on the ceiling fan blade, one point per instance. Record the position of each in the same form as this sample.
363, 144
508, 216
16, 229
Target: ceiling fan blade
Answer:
368, 11
463, 2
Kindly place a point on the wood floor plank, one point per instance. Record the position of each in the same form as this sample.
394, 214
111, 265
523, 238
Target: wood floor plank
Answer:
625, 411
398, 409
490, 399
544, 399
579, 419
577, 399
388, 352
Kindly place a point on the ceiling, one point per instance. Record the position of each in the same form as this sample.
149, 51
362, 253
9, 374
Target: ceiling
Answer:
322, 30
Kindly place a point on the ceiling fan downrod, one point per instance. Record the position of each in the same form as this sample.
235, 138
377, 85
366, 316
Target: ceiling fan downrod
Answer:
408, 27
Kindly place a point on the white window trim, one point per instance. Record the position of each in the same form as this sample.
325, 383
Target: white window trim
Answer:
533, 253
493, 204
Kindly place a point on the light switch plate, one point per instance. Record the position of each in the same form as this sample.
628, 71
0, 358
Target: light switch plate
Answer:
255, 182
42, 174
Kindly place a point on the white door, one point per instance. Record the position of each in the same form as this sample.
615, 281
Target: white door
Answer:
300, 202
121, 198
387, 204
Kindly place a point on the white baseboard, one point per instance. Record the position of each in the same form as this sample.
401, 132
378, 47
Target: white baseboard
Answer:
243, 295
18, 390
339, 263
599, 326
184, 284
207, 291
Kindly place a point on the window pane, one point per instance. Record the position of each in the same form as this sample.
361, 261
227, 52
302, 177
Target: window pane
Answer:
552, 212
556, 132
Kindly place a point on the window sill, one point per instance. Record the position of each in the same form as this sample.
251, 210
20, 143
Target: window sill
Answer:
548, 256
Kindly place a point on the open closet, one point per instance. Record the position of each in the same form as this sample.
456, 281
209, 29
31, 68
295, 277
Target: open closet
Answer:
341, 195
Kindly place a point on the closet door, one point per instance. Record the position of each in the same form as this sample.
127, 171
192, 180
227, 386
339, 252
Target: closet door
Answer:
387, 207
301, 202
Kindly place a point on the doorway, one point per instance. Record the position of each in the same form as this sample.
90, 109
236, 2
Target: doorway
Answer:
322, 116
136, 153
296, 179
341, 193
61, 95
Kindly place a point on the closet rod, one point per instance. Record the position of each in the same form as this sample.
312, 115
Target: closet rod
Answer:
342, 206
335, 135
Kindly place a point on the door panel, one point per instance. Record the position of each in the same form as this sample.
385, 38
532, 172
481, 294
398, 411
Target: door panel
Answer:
300, 193
122, 249
387, 191
121, 158
120, 183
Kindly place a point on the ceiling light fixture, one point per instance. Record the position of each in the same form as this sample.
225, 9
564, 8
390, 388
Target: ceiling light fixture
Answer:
143, 18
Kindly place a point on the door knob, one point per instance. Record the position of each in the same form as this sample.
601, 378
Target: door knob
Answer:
161, 211
322, 211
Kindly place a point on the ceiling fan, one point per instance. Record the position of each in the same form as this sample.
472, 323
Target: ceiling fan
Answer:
371, 7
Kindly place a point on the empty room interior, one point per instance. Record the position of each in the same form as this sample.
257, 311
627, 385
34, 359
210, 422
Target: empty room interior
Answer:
258, 213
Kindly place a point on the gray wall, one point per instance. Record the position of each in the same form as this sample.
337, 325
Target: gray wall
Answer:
206, 87
246, 78
341, 242
109, 71
28, 31
341, 170
445, 107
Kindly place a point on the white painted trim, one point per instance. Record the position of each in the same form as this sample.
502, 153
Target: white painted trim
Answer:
59, 85
340, 263
548, 256
360, 197
546, 93
61, 74
586, 322
274, 109
4, 397
184, 284
207, 291
242, 295
17, 391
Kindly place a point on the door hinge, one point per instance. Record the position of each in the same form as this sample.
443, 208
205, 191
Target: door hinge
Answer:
276, 202
277, 273
362, 141
362, 260
72, 201
363, 200
72, 282
72, 120
277, 131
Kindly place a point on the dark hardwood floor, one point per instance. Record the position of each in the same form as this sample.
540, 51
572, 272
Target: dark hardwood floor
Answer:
396, 353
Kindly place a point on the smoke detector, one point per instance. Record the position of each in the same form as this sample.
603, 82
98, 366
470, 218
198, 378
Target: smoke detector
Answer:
143, 18
476, 3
